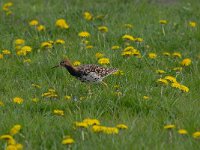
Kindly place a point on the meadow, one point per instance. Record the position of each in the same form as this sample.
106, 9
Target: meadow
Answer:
152, 102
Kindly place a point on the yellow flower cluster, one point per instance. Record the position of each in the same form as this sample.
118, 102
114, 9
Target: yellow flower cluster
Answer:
67, 140
4, 52
49, 44
99, 55
11, 142
115, 47
152, 55
6, 8
131, 51
104, 129
51, 93
62, 24
18, 100
58, 112
186, 62
84, 34
87, 16
76, 63
36, 24
163, 21
192, 24
103, 29
128, 37
104, 61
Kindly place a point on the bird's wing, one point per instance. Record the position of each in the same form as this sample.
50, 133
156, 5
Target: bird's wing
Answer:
100, 71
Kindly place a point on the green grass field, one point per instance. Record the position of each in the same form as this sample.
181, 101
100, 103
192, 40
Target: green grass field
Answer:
123, 102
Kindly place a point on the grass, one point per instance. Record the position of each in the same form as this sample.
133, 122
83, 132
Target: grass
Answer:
41, 129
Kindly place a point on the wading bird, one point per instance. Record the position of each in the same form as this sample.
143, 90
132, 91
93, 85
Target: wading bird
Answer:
89, 73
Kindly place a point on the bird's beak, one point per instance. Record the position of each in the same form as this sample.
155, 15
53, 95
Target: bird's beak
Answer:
55, 66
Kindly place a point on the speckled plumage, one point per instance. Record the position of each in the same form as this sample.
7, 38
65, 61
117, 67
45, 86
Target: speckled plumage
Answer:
87, 73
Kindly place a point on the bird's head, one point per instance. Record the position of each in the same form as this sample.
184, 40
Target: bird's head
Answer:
63, 63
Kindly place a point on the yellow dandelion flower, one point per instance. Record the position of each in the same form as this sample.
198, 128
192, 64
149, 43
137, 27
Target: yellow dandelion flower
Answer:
182, 131
169, 126
1, 56
152, 55
186, 62
46, 45
177, 69
36, 85
160, 71
163, 21
67, 97
170, 78
33, 23
58, 112
128, 26
89, 46
8, 138
175, 85
119, 73
166, 54
61, 23
60, 41
6, 6
1, 103
115, 47
76, 63
15, 129
103, 29
146, 97
41, 28
196, 135
104, 61
19, 41
111, 130
27, 60
35, 100
26, 49
91, 122
84, 34
176, 55
21, 53
139, 40
18, 100
126, 53
183, 88
122, 126
162, 81
67, 141
81, 124
128, 37
192, 24
6, 52
87, 16
97, 128
99, 55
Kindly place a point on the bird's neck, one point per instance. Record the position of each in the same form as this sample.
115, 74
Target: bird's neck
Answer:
72, 70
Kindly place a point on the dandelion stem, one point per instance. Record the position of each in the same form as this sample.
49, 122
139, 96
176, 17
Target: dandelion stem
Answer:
82, 135
163, 30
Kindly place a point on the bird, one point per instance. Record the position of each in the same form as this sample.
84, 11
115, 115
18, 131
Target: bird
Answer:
88, 73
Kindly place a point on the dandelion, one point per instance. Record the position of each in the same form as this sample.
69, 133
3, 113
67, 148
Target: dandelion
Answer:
126, 53
110, 130
170, 78
162, 81
51, 93
186, 62
115, 47
36, 85
103, 29
99, 55
7, 6
104, 61
139, 40
76, 63
196, 135
6, 52
58, 112
84, 34
1, 56
19, 41
87, 16
166, 54
61, 23
183, 88
18, 100
15, 129
122, 126
1, 104
129, 26
175, 85
152, 55
145, 97
97, 128
41, 28
182, 131
192, 24
33, 23
67, 141
16, 146
160, 71
177, 69
119, 73
8, 138
163, 21
27, 60
91, 122
67, 97
26, 49
81, 124
176, 55
128, 37
89, 46
46, 45
169, 126
59, 41
35, 100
